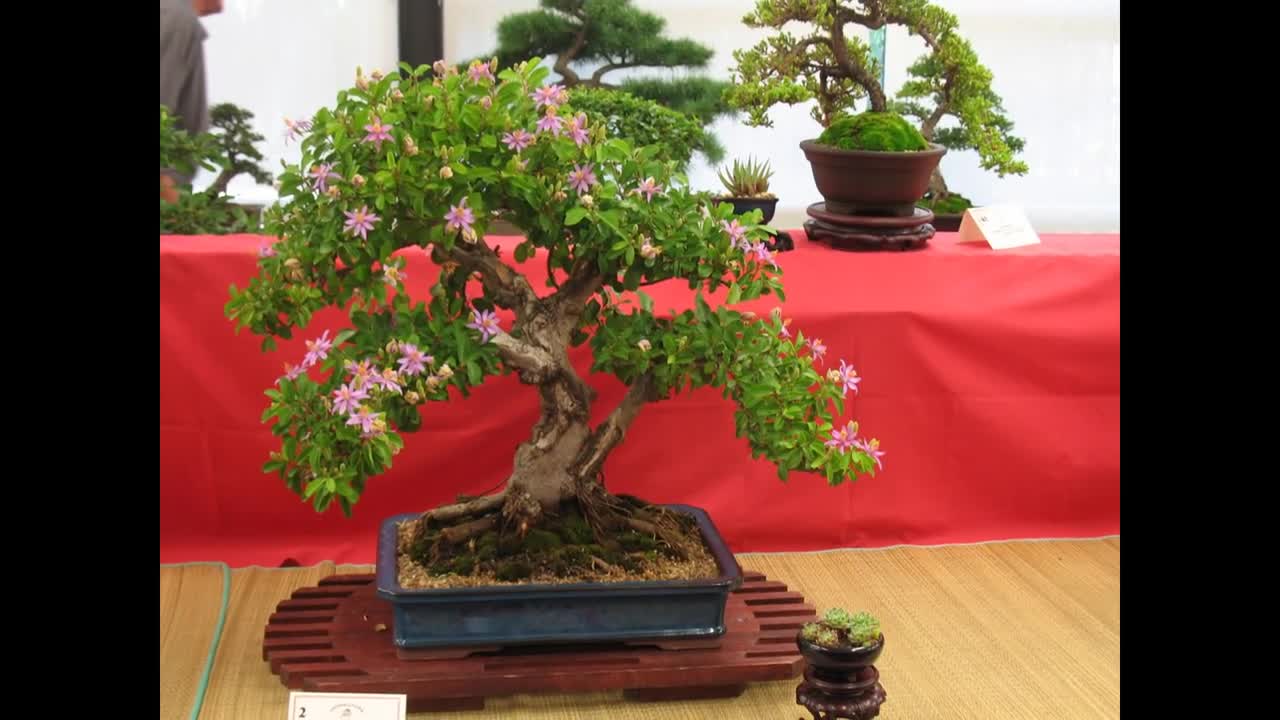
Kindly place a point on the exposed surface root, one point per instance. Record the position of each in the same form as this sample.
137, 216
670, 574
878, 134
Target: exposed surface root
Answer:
606, 538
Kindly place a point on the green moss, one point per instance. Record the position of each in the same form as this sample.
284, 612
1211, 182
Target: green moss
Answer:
949, 204
462, 565
632, 541
511, 570
538, 541
859, 628
883, 132
487, 546
420, 550
574, 530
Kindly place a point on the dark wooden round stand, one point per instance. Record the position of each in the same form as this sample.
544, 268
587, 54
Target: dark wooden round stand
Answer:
869, 232
857, 698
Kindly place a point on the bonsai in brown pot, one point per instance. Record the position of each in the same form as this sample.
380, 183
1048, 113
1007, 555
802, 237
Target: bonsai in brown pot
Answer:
871, 191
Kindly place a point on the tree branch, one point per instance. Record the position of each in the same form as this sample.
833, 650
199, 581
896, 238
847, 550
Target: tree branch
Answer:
534, 364
860, 74
508, 287
609, 433
597, 77
563, 59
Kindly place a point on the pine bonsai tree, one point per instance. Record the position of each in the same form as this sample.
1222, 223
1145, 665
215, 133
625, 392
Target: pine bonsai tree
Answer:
611, 35
229, 147
407, 161
838, 69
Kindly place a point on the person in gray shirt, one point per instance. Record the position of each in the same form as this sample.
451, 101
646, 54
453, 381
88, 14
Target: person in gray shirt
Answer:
182, 75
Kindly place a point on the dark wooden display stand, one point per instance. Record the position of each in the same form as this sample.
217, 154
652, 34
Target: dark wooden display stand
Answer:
337, 638
868, 232
859, 698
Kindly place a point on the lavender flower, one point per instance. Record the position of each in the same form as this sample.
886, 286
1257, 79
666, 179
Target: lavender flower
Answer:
387, 380
361, 221
737, 233
844, 438
321, 175
266, 250
378, 133
361, 373
872, 448
295, 128
550, 122
549, 95
848, 378
346, 399
317, 350
763, 253
578, 129
291, 372
648, 188
816, 347
582, 178
486, 322
459, 216
413, 360
518, 140
479, 71
364, 420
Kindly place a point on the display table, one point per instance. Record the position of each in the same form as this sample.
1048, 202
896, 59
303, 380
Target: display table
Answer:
992, 380
998, 631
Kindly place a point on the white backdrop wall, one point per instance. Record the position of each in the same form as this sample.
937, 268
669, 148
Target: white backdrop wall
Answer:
1057, 66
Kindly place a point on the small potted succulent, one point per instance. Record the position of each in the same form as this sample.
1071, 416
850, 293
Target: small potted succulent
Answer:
841, 644
747, 184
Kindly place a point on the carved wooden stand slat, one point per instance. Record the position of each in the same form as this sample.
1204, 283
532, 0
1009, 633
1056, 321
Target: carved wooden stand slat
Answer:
337, 638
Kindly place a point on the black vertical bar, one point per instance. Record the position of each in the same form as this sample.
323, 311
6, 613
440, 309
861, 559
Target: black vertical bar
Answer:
421, 31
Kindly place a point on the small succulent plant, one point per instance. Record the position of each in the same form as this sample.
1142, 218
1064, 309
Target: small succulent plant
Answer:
748, 179
841, 629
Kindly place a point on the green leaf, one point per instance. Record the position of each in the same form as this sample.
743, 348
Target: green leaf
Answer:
735, 294
575, 215
474, 374
343, 336
646, 302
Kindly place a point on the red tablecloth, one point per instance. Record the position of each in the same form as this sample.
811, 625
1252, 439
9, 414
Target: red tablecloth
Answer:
991, 378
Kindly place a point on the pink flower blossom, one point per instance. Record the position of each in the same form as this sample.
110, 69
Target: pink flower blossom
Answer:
459, 217
378, 133
648, 188
872, 448
360, 222
321, 175
518, 140
486, 322
413, 361
317, 350
346, 399
582, 178
843, 438
549, 95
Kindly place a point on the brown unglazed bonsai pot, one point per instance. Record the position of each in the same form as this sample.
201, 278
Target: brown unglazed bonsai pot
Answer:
867, 182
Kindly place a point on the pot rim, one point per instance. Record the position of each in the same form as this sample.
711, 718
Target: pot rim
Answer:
815, 147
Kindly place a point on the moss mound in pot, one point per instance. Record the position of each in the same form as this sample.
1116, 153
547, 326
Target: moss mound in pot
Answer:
874, 131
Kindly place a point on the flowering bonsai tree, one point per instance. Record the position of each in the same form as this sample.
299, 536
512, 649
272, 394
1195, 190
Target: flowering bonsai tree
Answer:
837, 70
416, 161
230, 148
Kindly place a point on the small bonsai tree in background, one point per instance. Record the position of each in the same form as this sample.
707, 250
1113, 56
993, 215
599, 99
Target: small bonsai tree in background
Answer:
611, 35
840, 629
229, 147
837, 70
407, 161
